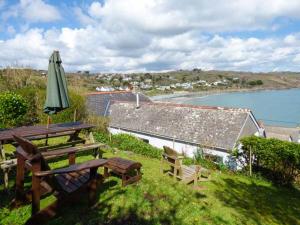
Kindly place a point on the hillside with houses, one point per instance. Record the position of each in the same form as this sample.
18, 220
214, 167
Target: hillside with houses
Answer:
195, 80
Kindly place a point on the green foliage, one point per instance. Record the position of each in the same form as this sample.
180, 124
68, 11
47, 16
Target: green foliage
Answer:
158, 199
255, 82
130, 143
77, 103
198, 155
101, 123
278, 160
13, 108
102, 137
35, 98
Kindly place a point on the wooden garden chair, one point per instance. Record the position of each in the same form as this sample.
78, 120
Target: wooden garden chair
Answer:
186, 174
67, 183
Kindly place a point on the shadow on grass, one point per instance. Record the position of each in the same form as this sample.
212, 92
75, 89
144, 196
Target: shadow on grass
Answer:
258, 203
109, 212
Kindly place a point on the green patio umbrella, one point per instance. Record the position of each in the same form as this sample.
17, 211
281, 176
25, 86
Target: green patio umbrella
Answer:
57, 92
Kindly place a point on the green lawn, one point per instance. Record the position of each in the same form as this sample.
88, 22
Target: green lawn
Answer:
158, 199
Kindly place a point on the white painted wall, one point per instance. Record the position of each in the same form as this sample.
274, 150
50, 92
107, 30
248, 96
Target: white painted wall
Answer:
187, 149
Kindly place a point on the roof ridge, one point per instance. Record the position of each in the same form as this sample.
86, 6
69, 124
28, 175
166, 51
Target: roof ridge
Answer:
192, 106
107, 92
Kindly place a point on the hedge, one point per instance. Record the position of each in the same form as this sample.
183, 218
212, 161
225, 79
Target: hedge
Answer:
13, 108
128, 142
277, 160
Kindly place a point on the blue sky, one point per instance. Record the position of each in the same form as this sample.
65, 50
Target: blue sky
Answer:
158, 35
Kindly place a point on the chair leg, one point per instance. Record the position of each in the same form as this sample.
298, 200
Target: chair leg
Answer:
106, 174
92, 192
36, 195
20, 179
46, 214
196, 175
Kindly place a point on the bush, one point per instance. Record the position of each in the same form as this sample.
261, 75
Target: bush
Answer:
277, 160
13, 108
100, 122
34, 98
77, 102
255, 82
102, 137
127, 142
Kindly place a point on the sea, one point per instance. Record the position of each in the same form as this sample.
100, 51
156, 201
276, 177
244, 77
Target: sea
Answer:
273, 107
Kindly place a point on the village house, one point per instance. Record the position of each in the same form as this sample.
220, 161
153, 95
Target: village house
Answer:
291, 134
185, 128
215, 131
98, 103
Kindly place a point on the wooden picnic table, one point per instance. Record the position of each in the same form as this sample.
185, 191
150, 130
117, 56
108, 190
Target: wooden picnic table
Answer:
71, 129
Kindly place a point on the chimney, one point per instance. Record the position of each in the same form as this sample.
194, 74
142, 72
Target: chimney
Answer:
137, 100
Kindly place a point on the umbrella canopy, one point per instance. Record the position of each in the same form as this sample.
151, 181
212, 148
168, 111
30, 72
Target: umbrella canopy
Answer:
57, 92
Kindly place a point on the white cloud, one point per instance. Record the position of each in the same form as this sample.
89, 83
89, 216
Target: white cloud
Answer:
172, 16
33, 11
132, 35
91, 48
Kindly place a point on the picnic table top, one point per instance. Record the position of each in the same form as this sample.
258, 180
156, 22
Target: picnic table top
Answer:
29, 131
122, 165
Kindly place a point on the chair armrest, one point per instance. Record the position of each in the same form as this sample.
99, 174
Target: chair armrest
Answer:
73, 168
60, 152
173, 157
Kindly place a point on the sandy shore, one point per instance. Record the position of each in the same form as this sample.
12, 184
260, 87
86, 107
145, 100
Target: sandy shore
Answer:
182, 96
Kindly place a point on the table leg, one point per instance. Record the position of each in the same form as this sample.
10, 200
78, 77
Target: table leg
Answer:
94, 179
106, 174
2, 151
74, 137
5, 171
20, 178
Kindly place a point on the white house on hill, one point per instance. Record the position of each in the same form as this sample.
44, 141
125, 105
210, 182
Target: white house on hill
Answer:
184, 128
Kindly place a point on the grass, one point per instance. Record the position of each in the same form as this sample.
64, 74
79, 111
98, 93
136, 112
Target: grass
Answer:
158, 199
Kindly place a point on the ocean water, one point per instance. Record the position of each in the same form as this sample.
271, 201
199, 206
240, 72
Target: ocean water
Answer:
273, 107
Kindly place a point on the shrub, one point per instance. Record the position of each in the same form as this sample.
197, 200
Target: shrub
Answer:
255, 82
277, 160
77, 102
34, 98
15, 79
130, 143
13, 108
102, 137
100, 122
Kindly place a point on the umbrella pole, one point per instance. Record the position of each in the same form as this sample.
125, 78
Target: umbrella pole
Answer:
75, 115
48, 123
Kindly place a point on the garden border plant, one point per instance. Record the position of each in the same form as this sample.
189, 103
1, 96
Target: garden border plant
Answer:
277, 160
13, 108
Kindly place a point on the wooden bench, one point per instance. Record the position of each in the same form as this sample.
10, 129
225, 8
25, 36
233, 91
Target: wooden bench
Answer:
67, 183
186, 174
130, 171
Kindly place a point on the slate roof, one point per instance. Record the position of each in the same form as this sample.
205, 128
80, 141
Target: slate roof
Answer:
282, 133
283, 137
98, 103
213, 127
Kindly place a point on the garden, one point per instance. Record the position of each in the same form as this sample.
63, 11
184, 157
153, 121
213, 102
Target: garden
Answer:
270, 195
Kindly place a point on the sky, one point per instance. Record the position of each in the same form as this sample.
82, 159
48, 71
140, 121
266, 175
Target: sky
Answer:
152, 35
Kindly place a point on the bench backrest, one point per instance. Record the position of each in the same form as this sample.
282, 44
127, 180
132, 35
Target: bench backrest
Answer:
27, 149
173, 158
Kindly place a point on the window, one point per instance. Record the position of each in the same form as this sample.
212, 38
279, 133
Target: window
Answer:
214, 158
145, 140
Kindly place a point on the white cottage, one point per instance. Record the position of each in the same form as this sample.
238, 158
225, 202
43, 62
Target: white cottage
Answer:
184, 128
